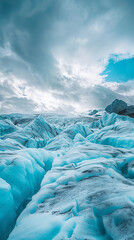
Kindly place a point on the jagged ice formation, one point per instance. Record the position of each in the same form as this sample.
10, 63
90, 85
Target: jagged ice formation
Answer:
66, 178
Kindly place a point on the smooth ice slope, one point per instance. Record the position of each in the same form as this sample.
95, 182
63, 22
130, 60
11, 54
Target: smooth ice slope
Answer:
7, 209
78, 185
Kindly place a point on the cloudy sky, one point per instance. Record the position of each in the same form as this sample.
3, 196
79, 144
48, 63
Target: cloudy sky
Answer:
65, 55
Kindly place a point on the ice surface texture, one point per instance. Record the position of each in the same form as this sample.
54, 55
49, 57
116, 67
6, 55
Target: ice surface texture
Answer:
73, 180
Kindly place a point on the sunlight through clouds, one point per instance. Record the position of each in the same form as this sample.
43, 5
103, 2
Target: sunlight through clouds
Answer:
54, 55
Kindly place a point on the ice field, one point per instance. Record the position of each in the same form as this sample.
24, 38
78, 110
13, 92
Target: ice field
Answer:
66, 177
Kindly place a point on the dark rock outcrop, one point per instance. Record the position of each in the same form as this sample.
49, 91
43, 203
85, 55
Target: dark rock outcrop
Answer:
120, 107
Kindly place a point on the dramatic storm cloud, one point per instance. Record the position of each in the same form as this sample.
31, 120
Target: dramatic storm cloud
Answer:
65, 55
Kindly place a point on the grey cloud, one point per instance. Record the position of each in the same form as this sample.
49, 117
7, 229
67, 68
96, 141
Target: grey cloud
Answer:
17, 105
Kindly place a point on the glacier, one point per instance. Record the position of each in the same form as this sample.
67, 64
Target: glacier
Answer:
66, 177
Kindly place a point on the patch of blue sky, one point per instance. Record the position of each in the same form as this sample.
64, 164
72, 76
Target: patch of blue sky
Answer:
119, 70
